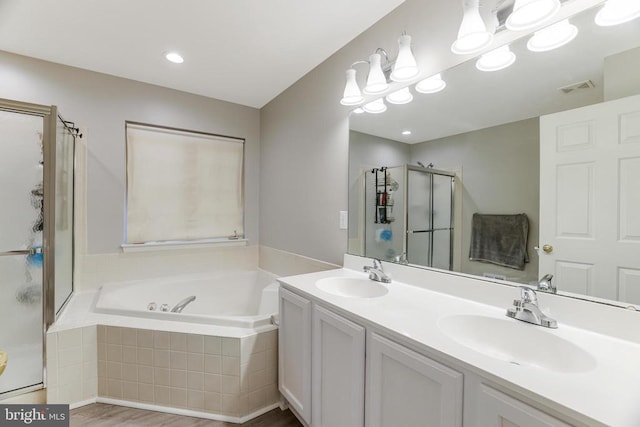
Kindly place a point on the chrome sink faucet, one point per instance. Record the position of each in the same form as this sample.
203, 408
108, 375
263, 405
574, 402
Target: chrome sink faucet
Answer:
527, 310
545, 285
376, 272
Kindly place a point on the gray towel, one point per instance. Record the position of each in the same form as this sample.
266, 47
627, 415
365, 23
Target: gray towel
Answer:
500, 239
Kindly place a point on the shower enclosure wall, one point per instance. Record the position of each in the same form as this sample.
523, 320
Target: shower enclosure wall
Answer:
36, 236
417, 218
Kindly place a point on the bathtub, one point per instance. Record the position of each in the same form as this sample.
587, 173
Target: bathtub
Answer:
235, 298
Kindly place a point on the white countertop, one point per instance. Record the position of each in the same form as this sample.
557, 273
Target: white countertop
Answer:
608, 394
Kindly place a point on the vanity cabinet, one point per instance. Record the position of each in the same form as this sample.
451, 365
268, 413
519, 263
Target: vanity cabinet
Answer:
405, 388
294, 359
338, 369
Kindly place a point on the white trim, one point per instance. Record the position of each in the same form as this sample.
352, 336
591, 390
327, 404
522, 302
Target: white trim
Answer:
187, 412
82, 403
182, 244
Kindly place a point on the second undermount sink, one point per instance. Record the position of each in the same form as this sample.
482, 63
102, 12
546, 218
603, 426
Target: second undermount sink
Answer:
517, 343
352, 287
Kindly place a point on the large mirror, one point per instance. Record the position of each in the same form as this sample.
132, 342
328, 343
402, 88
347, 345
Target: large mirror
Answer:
485, 129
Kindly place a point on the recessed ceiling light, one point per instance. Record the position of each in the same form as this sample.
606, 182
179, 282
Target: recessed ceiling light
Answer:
406, 132
174, 57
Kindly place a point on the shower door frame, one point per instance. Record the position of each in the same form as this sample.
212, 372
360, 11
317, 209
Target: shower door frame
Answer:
49, 116
432, 172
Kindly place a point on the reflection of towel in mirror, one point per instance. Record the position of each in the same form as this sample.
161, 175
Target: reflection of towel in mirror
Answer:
500, 239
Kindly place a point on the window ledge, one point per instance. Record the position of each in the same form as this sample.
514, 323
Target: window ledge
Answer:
186, 244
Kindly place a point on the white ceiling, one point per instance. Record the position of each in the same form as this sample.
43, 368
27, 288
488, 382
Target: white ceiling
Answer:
242, 51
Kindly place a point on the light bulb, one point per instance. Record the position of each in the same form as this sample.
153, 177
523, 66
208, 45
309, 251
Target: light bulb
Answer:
497, 59
405, 67
432, 84
402, 96
552, 37
472, 35
617, 12
375, 107
352, 94
376, 81
531, 13
174, 57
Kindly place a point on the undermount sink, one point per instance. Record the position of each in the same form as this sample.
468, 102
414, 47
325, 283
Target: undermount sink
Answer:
517, 343
352, 287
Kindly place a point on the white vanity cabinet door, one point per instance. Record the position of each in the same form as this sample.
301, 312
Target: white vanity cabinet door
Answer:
294, 358
496, 409
405, 388
338, 370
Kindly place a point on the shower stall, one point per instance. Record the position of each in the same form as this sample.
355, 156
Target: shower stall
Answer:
409, 215
36, 237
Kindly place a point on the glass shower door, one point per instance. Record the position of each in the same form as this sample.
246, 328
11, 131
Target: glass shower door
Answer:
21, 258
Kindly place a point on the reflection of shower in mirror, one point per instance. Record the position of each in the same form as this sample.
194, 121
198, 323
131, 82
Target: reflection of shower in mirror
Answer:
430, 165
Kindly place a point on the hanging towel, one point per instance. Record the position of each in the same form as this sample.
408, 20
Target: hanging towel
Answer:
500, 239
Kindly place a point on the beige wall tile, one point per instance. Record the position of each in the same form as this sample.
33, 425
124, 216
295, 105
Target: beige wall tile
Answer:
195, 399
102, 388
89, 335
179, 397
89, 351
213, 382
195, 343
102, 369
212, 402
161, 358
195, 381
69, 338
114, 370
145, 356
195, 362
257, 399
212, 364
178, 378
69, 374
129, 336
162, 395
178, 341
114, 335
230, 384
129, 354
69, 356
162, 376
178, 360
161, 340
129, 372
145, 338
114, 353
130, 390
212, 345
102, 351
230, 365
231, 347
101, 332
145, 374
70, 393
145, 393
89, 371
114, 388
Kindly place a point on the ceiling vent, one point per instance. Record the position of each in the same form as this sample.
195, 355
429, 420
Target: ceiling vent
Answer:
586, 84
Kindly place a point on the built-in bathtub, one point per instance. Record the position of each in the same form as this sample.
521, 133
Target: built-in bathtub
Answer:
216, 359
240, 298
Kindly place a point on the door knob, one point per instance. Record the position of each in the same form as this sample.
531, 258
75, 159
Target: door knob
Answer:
547, 248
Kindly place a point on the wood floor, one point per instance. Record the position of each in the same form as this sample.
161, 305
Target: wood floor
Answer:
102, 415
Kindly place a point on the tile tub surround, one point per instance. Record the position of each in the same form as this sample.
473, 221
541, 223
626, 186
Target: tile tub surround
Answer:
230, 377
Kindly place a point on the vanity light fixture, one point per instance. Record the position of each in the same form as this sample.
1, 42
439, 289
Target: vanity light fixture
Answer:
432, 84
352, 94
531, 13
473, 35
497, 59
552, 37
405, 67
376, 80
402, 96
174, 57
375, 107
382, 71
617, 12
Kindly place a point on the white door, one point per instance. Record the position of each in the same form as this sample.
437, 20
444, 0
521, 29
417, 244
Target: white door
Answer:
294, 352
590, 199
337, 371
405, 388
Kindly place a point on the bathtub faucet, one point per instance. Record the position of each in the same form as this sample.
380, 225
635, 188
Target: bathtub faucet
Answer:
182, 304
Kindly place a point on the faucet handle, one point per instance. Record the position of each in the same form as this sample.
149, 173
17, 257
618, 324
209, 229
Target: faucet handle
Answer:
377, 264
528, 295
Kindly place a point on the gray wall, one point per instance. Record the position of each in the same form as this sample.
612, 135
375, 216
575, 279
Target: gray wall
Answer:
101, 104
305, 132
500, 173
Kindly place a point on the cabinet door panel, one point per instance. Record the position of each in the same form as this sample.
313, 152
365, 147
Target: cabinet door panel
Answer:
294, 359
405, 388
496, 409
338, 371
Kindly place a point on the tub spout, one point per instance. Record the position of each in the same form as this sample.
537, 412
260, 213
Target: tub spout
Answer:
182, 304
